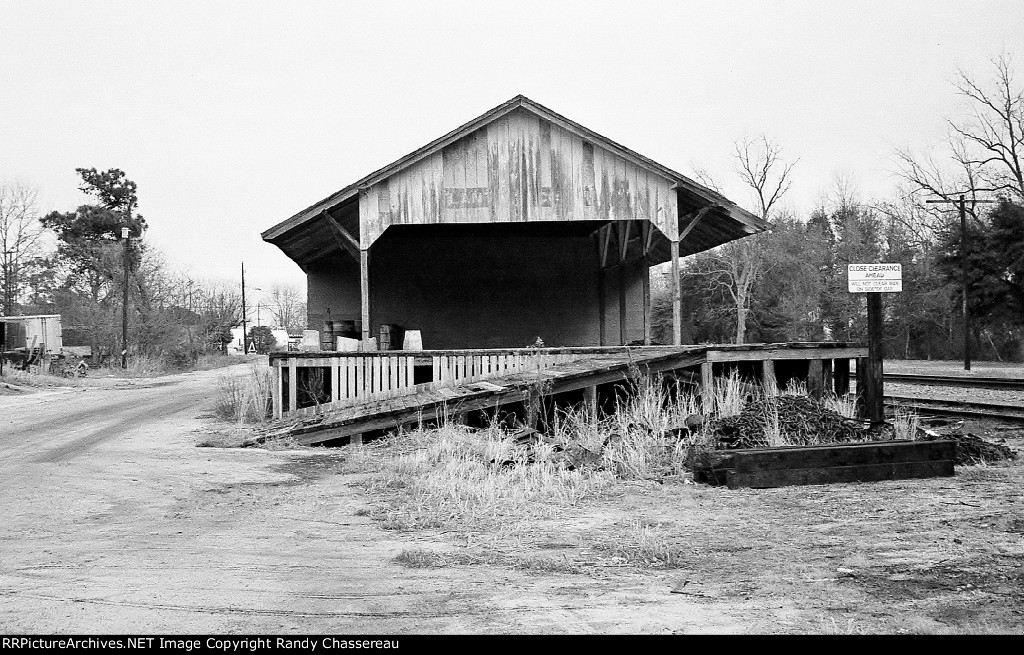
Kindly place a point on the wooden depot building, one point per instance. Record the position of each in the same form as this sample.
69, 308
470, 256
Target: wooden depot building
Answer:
517, 225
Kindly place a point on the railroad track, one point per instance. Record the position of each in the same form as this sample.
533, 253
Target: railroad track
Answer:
1010, 384
946, 407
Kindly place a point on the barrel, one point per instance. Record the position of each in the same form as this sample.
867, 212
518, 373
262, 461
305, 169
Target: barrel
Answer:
327, 336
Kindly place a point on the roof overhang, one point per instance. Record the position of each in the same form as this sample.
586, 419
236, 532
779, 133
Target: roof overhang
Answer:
303, 237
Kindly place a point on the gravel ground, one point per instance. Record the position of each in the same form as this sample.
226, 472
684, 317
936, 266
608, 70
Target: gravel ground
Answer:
936, 367
996, 396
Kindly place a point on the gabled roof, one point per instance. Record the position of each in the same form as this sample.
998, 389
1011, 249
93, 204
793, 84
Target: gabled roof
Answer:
747, 223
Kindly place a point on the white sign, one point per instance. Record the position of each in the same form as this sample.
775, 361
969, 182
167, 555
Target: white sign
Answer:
875, 278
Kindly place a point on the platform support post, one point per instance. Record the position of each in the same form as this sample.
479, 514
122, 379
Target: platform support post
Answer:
707, 387
677, 298
590, 402
768, 379
815, 378
841, 376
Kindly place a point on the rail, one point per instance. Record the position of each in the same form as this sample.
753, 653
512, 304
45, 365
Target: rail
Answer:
957, 381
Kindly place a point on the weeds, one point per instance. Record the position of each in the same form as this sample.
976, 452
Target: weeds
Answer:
245, 398
906, 424
647, 545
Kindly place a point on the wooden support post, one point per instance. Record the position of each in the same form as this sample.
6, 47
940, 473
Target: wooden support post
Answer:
533, 409
601, 310
293, 386
647, 303
364, 291
874, 396
815, 378
862, 385
335, 379
677, 299
277, 389
826, 374
841, 376
768, 379
707, 387
590, 402
623, 335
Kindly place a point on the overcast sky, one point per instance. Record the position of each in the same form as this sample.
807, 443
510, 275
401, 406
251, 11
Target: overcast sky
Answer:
233, 116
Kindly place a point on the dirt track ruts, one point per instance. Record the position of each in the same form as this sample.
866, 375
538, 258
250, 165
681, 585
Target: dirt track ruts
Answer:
114, 522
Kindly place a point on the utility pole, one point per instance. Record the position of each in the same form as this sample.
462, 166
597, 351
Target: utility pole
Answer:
245, 337
963, 269
8, 266
124, 303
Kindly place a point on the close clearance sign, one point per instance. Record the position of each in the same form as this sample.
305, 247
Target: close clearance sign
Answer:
875, 278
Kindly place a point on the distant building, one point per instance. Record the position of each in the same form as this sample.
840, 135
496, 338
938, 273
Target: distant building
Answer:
236, 346
41, 331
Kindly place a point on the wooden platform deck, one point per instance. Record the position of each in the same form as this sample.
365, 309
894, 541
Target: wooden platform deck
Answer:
597, 368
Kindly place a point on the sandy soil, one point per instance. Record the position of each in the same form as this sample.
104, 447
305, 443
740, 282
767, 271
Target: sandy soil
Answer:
115, 522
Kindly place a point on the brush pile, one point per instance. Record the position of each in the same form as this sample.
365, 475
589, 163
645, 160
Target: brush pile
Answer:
801, 421
971, 449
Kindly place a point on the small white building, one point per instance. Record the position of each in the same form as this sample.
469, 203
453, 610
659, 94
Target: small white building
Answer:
236, 345
39, 331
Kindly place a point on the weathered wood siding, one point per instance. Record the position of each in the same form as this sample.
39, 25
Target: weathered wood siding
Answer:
518, 168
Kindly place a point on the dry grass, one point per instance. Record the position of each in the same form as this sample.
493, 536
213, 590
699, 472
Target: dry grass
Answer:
452, 477
245, 398
21, 378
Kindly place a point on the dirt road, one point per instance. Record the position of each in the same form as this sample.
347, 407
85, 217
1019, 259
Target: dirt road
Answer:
115, 522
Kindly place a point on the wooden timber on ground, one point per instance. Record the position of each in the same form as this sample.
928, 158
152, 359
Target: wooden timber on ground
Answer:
825, 464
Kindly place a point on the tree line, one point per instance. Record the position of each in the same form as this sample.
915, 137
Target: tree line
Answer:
90, 263
790, 283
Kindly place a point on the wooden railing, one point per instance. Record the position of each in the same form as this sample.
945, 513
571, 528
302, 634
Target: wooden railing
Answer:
311, 383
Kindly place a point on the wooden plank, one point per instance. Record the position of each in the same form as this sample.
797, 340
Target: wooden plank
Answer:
707, 387
335, 378
394, 382
500, 130
292, 386
435, 368
276, 391
768, 379
815, 379
839, 455
488, 386
410, 372
590, 401
782, 354
861, 473
646, 272
361, 378
350, 376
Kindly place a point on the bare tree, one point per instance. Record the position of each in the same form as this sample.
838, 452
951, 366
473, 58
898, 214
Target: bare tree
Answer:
985, 151
20, 233
738, 265
287, 305
994, 136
